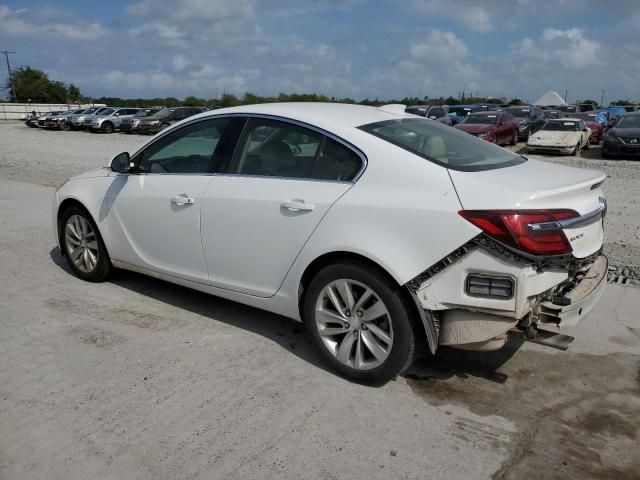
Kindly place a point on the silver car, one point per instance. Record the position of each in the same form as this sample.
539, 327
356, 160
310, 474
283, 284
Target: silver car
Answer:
88, 118
76, 120
109, 122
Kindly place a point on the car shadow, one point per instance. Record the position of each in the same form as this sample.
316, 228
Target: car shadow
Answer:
452, 362
290, 334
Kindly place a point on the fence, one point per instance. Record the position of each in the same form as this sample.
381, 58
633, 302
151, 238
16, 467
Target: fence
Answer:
17, 111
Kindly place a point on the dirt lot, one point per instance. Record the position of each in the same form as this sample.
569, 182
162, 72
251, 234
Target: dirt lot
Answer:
137, 378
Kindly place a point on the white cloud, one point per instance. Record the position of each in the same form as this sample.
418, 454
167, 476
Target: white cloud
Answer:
439, 46
200, 10
20, 23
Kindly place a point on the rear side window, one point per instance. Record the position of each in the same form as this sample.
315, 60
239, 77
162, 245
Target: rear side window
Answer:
443, 145
280, 149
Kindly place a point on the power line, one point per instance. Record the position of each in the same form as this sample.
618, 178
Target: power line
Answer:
12, 90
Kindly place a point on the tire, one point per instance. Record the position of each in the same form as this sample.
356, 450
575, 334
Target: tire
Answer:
107, 127
164, 126
514, 139
65, 126
393, 331
576, 151
93, 266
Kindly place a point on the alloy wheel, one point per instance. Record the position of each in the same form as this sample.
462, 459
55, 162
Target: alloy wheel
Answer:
81, 243
354, 324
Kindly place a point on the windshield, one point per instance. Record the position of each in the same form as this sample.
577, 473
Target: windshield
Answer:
90, 110
165, 112
589, 117
481, 119
519, 112
629, 121
147, 113
443, 145
105, 111
460, 111
562, 126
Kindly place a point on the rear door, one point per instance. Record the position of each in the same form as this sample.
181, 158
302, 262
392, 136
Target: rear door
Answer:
257, 216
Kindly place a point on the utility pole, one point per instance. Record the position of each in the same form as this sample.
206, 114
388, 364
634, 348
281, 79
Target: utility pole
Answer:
6, 56
602, 99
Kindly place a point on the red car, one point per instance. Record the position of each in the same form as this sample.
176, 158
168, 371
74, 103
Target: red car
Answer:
597, 129
497, 127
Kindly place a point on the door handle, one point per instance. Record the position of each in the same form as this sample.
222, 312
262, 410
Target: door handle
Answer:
297, 206
182, 200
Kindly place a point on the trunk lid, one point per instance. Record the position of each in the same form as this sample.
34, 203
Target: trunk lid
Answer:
538, 185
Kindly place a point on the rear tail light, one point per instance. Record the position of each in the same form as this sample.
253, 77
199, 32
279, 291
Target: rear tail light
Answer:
514, 228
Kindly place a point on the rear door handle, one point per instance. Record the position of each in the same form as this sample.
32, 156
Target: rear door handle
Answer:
182, 200
297, 206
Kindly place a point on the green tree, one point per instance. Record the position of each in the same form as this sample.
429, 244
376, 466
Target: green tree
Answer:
192, 101
74, 93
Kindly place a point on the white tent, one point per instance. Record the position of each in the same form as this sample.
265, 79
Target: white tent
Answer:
550, 98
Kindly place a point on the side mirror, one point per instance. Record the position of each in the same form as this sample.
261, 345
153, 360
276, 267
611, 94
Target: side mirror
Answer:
121, 163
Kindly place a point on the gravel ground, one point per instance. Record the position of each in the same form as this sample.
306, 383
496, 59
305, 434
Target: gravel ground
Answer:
138, 378
50, 157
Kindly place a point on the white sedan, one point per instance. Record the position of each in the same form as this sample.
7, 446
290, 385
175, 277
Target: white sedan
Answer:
562, 136
382, 231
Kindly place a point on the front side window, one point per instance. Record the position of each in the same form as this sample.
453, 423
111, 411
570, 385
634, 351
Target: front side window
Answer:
436, 113
190, 149
280, 149
443, 145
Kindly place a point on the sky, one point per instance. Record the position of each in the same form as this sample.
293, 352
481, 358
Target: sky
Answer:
340, 48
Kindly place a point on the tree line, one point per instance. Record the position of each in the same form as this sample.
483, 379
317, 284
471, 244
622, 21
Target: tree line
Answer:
30, 84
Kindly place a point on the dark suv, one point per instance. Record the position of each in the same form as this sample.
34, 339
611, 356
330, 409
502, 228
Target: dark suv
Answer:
166, 117
439, 113
530, 117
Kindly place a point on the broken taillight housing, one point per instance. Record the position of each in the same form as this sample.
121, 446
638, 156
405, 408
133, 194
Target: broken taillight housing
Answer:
513, 228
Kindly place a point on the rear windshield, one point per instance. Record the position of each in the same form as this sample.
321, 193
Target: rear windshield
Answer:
481, 119
443, 145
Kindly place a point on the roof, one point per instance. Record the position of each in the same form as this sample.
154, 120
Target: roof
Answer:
550, 98
321, 113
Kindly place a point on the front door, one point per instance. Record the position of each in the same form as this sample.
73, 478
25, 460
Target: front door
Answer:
154, 213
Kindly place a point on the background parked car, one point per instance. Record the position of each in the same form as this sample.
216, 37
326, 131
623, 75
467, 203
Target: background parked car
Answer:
59, 122
552, 114
42, 121
624, 138
612, 116
110, 122
566, 136
32, 119
166, 117
496, 127
596, 123
458, 112
131, 124
530, 117
439, 113
76, 120
88, 118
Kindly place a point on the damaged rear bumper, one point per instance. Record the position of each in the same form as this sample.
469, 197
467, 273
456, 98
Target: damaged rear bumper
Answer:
550, 294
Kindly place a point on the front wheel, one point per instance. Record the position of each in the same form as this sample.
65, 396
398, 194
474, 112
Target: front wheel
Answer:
360, 323
83, 246
107, 127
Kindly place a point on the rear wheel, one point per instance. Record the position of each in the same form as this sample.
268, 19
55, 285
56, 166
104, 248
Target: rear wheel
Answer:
360, 323
83, 246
